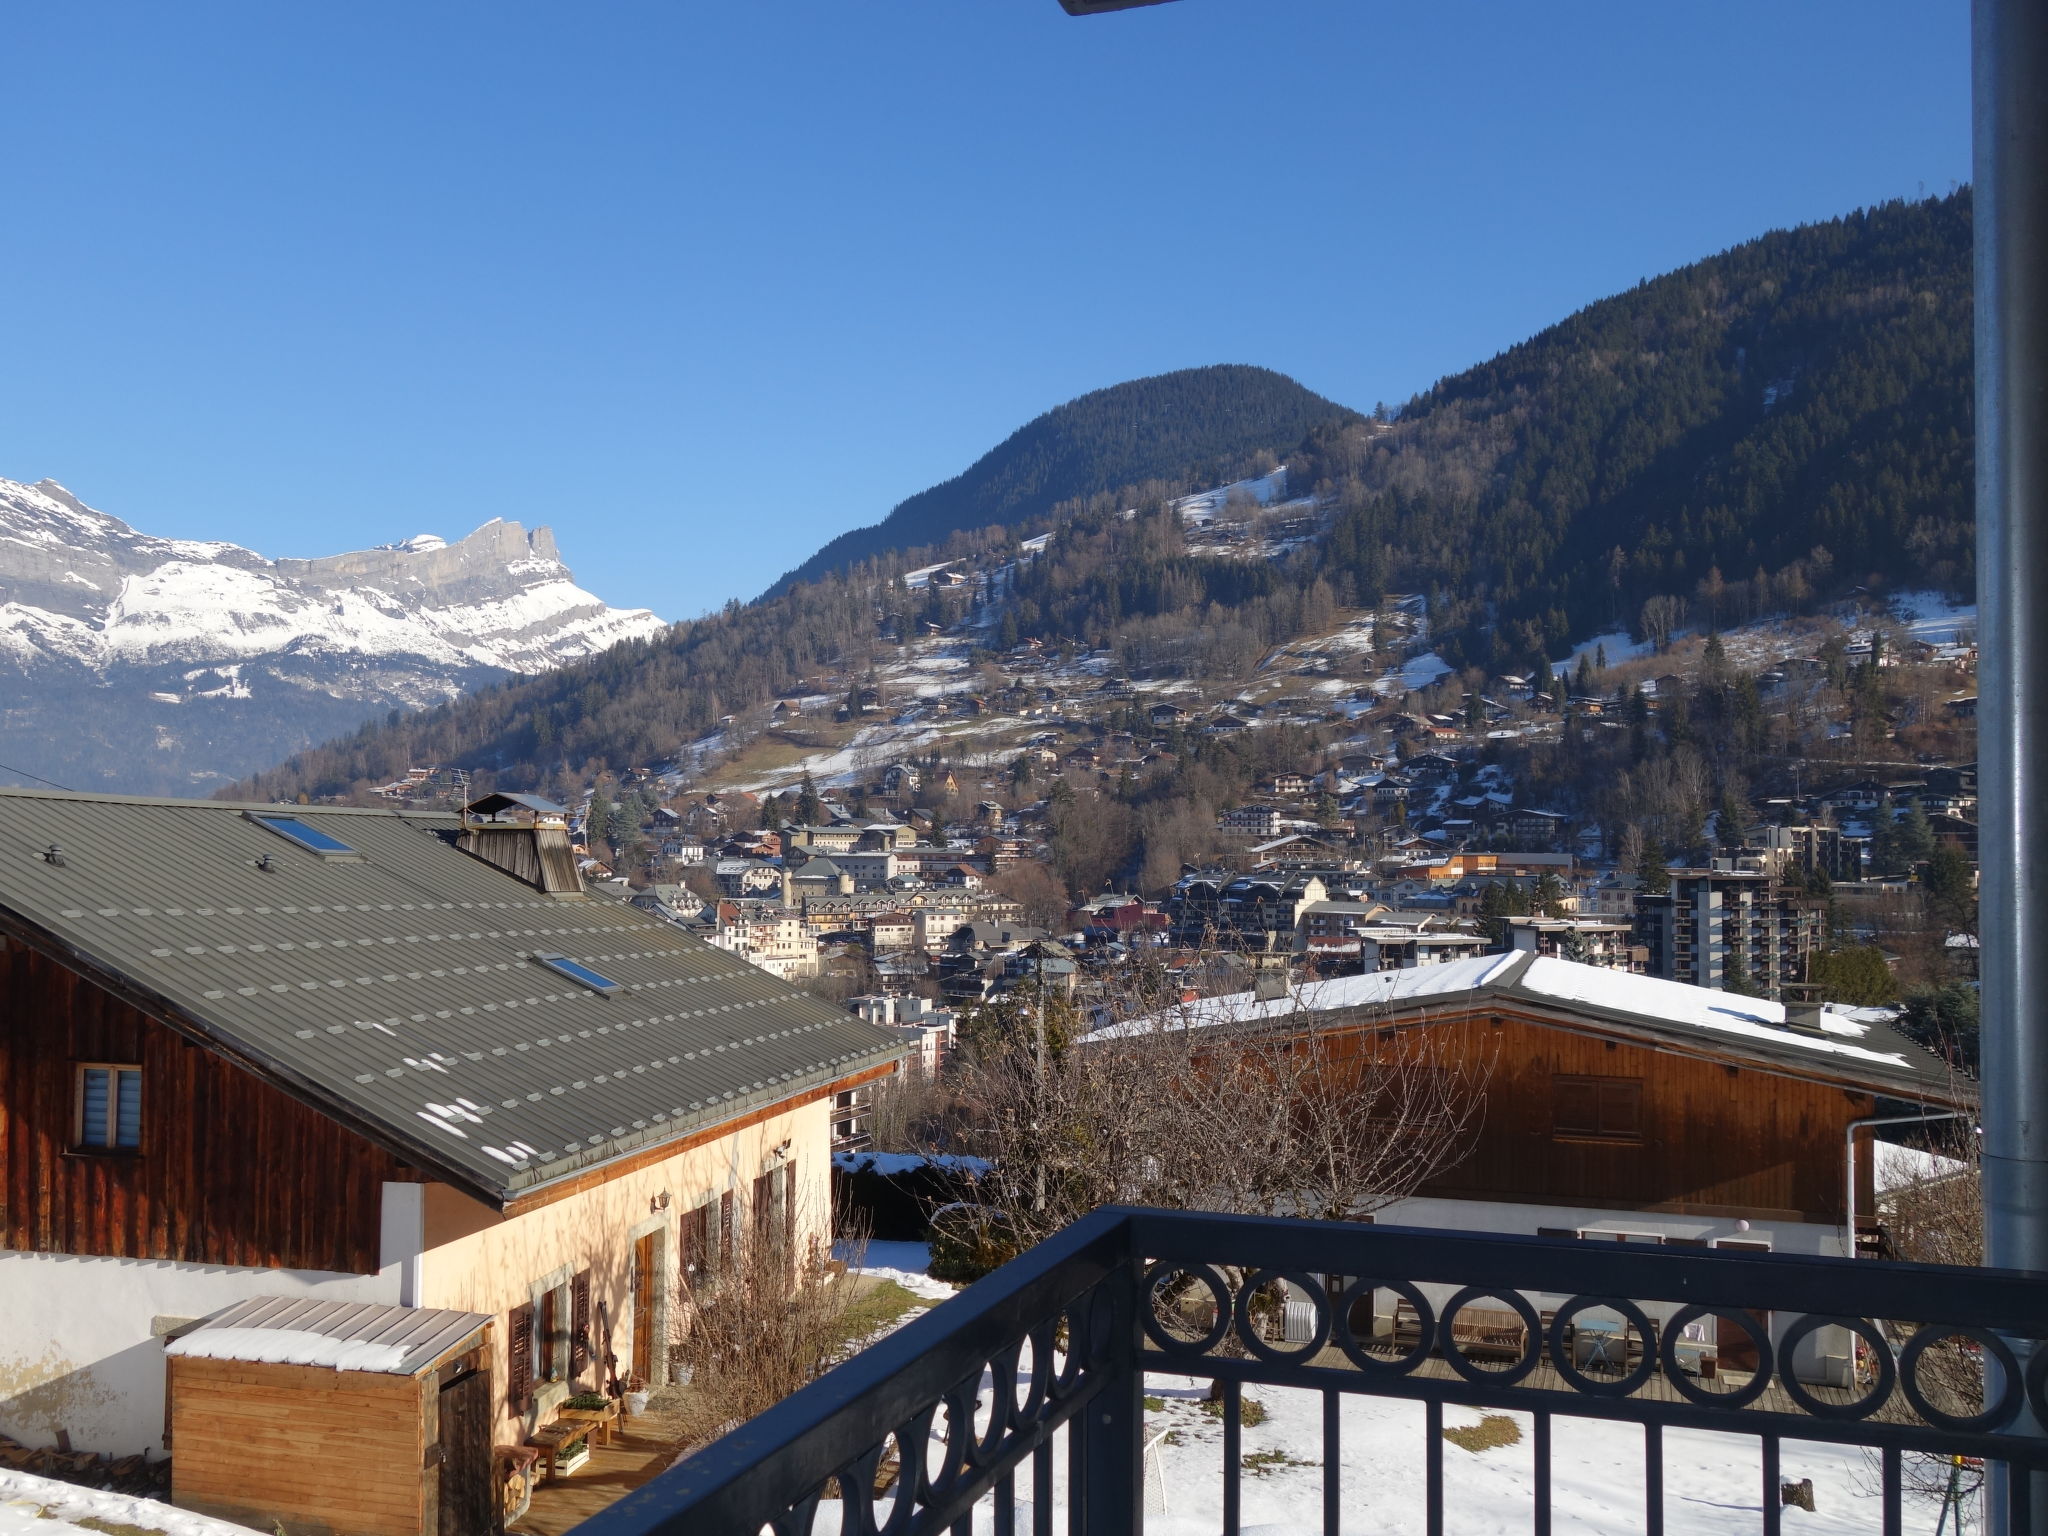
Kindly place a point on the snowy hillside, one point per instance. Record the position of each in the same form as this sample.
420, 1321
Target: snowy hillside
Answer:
138, 663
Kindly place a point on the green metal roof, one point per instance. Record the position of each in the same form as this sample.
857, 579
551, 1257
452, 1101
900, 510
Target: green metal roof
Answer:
395, 990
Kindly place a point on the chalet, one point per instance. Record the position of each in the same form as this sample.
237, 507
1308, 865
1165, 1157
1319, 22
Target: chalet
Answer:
900, 779
1588, 940
308, 1054
1623, 1107
1262, 821
1287, 785
1116, 916
1432, 768
1860, 798
1536, 829
747, 877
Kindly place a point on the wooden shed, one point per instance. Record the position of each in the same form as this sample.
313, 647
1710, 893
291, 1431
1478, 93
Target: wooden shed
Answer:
327, 1418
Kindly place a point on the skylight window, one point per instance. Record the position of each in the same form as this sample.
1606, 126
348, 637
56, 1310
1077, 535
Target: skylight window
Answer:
579, 973
305, 834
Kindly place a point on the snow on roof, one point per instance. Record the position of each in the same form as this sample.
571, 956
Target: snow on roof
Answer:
1850, 1037
338, 1335
1902, 1167
1678, 1002
1341, 992
289, 1346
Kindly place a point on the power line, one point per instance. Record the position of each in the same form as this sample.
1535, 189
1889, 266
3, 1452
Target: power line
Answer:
10, 768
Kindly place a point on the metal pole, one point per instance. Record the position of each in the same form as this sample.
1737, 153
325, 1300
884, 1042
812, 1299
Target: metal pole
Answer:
2009, 69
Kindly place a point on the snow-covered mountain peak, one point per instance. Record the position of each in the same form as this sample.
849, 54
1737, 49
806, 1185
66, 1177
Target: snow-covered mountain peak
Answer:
84, 595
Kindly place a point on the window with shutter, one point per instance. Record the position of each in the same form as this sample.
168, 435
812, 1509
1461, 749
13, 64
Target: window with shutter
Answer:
1597, 1108
107, 1108
579, 1324
551, 1336
519, 1359
696, 1250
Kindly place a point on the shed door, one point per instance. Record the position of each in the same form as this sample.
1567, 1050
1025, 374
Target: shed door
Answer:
468, 1501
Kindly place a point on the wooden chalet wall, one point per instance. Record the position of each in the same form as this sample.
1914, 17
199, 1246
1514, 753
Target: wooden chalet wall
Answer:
1718, 1138
230, 1171
319, 1448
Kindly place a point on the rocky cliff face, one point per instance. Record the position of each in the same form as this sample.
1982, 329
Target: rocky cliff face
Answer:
172, 666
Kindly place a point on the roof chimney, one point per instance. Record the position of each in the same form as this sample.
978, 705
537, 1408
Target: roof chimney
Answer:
1804, 1008
525, 836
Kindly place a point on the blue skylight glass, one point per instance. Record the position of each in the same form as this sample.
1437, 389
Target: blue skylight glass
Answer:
306, 835
582, 975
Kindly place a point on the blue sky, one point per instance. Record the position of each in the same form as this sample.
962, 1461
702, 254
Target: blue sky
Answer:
702, 285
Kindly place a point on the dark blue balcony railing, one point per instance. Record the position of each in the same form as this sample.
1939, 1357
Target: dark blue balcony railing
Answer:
972, 1398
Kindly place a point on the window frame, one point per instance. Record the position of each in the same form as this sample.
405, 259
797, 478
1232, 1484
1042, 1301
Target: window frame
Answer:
569, 968
287, 824
1599, 1085
110, 1146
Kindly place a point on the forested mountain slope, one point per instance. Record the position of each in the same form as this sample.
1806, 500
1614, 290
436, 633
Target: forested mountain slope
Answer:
1786, 419
1194, 424
1751, 433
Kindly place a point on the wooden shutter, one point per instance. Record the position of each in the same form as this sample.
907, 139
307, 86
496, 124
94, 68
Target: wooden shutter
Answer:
789, 1205
1575, 1106
1621, 1107
726, 1235
579, 1323
519, 1358
690, 1243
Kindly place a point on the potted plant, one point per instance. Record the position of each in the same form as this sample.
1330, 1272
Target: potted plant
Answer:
572, 1456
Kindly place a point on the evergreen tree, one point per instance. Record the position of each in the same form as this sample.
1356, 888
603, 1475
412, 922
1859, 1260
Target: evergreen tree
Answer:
1855, 975
1915, 837
1887, 854
1735, 972
1654, 871
1944, 1019
1951, 888
809, 808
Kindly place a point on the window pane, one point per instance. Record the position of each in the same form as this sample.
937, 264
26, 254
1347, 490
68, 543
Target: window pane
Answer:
582, 974
304, 834
128, 1110
92, 1119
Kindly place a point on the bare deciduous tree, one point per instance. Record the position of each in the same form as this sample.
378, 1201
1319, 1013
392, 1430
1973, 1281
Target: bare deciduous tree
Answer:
754, 1319
1208, 1106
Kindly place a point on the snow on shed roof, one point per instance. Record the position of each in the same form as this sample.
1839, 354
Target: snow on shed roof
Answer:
341, 1335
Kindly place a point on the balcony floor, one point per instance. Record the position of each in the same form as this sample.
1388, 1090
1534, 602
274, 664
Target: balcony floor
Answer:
639, 1453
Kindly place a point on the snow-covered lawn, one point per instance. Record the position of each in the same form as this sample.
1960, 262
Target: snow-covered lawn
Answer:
40, 1506
904, 1263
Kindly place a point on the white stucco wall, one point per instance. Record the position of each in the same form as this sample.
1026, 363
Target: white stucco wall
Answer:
479, 1261
80, 1344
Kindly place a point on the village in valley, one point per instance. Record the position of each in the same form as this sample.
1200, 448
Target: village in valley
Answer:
919, 832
